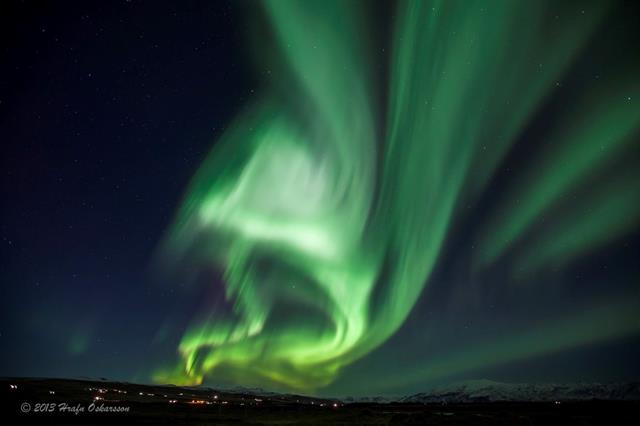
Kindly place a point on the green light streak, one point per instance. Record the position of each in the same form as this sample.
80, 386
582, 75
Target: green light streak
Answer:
327, 226
599, 130
605, 321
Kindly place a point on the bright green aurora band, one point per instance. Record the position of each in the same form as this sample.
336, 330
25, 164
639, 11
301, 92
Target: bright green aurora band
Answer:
327, 221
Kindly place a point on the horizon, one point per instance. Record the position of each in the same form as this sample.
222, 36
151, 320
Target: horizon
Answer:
467, 385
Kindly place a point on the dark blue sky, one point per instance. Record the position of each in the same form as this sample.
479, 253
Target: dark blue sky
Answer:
106, 111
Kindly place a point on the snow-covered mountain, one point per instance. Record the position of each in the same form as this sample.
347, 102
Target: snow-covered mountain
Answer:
489, 391
369, 399
464, 392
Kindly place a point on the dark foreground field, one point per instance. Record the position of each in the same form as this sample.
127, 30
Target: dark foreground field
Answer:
53, 401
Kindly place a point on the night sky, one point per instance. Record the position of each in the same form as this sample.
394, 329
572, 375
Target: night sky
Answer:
326, 197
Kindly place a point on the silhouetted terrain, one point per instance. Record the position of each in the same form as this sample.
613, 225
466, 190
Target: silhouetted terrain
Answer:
489, 391
60, 401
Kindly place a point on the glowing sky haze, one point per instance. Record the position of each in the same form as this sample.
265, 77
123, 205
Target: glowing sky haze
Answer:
327, 197
326, 205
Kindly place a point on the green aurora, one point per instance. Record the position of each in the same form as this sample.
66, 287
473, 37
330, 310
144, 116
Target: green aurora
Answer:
327, 203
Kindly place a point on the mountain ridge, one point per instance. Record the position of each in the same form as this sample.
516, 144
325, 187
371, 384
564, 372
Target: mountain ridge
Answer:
490, 391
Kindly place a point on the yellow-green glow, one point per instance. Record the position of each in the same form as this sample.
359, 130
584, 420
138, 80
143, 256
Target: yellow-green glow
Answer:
326, 224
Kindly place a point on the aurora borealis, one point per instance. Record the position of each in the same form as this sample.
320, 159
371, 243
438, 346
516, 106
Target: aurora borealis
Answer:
327, 220
327, 197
